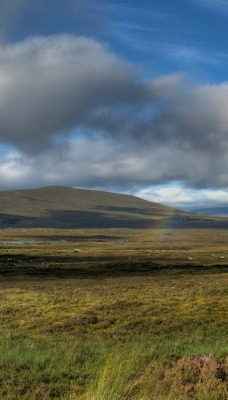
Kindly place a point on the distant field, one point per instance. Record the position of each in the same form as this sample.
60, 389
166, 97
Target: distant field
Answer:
112, 314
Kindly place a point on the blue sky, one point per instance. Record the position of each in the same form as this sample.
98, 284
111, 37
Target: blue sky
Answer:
126, 96
162, 36
169, 36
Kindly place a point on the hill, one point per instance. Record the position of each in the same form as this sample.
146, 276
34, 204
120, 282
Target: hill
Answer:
64, 207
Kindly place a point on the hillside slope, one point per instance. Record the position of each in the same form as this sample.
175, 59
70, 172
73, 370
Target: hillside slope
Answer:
64, 207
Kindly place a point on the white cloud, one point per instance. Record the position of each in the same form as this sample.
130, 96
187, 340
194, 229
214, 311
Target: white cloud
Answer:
182, 197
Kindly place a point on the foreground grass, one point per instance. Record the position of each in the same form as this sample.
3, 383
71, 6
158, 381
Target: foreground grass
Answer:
118, 370
103, 326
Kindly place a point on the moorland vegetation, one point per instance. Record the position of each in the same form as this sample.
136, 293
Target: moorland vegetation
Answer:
114, 313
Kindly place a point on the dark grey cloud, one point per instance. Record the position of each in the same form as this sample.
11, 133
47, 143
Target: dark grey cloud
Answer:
75, 113
49, 86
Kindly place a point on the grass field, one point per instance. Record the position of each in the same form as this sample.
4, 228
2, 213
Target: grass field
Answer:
112, 314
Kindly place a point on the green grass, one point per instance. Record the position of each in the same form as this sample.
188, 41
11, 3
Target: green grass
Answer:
135, 369
129, 317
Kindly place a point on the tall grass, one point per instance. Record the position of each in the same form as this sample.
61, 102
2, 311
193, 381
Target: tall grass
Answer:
112, 370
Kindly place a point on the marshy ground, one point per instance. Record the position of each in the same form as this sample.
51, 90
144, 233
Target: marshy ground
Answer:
113, 314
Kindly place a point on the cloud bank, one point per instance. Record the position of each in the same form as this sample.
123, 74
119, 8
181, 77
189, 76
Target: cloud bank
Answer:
72, 112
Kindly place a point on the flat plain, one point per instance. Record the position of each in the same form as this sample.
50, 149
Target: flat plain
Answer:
112, 314
110, 297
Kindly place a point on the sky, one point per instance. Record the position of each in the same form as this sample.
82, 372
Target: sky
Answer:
123, 96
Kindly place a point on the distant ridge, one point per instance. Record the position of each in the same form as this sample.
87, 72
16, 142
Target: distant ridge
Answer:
217, 211
65, 207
